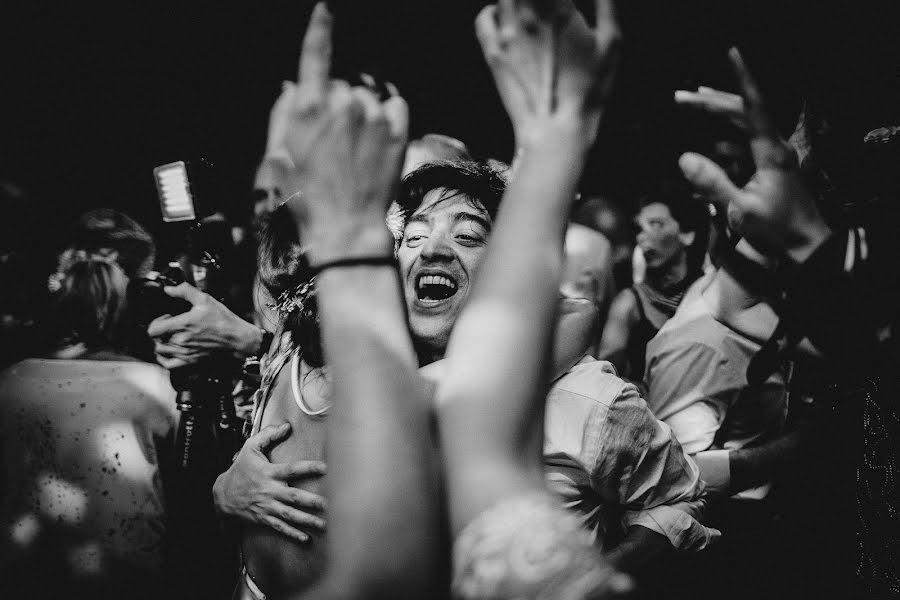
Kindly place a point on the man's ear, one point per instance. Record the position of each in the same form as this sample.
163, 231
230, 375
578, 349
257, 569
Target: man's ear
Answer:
687, 238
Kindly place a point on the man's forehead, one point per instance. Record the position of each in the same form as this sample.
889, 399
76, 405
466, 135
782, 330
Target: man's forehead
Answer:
445, 200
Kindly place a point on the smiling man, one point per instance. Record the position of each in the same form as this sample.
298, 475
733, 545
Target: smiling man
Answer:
605, 454
449, 208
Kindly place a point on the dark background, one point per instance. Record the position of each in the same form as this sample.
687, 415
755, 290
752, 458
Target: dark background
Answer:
94, 96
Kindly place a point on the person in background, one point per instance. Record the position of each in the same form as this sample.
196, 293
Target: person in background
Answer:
838, 279
86, 433
431, 147
603, 215
588, 273
672, 234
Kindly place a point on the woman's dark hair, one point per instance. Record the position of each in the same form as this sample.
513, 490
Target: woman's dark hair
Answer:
88, 291
282, 270
690, 213
477, 181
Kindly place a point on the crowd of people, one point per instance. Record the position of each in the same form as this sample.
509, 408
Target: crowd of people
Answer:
457, 378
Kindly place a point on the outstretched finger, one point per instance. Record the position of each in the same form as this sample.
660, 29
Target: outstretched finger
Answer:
486, 30
765, 142
185, 291
396, 111
315, 54
708, 179
607, 25
506, 14
712, 100
164, 327
716, 103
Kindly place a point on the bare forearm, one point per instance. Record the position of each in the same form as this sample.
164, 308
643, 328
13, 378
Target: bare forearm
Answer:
505, 333
378, 444
528, 237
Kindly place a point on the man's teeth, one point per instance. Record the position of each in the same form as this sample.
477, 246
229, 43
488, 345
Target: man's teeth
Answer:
436, 280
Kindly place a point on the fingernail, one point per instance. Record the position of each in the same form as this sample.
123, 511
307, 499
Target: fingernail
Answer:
682, 95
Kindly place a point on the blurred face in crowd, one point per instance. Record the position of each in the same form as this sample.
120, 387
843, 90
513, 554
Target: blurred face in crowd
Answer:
442, 247
266, 191
660, 237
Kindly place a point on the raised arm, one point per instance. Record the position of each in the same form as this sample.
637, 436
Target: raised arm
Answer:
841, 286
553, 73
343, 149
498, 352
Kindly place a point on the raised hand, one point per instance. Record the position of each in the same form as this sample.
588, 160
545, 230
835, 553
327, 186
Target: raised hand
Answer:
343, 148
547, 61
775, 211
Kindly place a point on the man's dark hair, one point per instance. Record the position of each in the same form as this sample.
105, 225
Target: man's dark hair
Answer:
477, 181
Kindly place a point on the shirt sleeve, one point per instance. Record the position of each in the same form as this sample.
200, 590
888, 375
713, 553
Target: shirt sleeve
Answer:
640, 466
691, 389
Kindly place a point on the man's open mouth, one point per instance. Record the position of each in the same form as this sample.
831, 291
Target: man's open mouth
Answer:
434, 287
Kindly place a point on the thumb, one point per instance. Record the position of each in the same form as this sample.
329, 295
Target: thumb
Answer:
184, 291
708, 179
270, 436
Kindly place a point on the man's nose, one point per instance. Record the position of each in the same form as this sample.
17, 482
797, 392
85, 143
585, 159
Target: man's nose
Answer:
437, 247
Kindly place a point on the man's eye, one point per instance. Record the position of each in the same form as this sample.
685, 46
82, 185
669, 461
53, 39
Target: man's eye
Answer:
414, 240
468, 239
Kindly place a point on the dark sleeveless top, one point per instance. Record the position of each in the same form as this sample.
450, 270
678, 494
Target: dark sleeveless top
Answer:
642, 332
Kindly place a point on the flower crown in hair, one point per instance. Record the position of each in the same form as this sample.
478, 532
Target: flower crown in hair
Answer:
72, 257
294, 298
